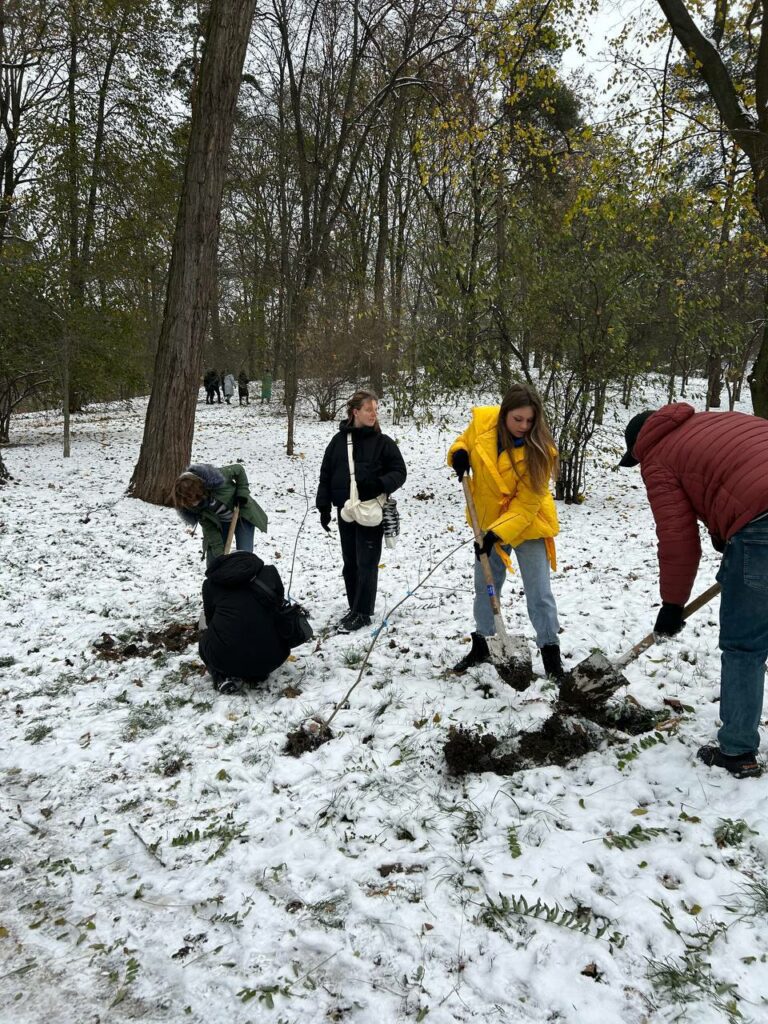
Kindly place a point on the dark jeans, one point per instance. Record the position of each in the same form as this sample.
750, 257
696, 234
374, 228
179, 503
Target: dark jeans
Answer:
243, 537
743, 576
361, 551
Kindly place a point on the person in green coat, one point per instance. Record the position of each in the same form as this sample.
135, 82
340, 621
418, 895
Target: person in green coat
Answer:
207, 495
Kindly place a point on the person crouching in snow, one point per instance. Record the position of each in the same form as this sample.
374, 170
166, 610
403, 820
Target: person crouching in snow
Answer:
239, 640
713, 467
206, 495
510, 453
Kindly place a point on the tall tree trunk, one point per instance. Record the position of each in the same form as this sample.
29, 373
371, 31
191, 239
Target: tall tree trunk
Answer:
169, 427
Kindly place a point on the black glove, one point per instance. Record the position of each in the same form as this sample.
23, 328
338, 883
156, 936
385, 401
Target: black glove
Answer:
487, 546
368, 487
325, 517
460, 462
717, 543
669, 620
242, 500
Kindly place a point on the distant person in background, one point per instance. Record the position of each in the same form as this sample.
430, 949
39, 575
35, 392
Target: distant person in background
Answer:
207, 495
217, 385
712, 467
209, 383
266, 387
379, 469
239, 641
229, 387
242, 388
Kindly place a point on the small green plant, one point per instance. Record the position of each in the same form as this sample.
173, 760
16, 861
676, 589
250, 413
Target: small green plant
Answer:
751, 900
143, 718
496, 915
353, 656
513, 843
634, 751
732, 833
630, 840
38, 733
690, 978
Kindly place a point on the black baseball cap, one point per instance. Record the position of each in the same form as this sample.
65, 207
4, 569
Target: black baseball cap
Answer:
631, 433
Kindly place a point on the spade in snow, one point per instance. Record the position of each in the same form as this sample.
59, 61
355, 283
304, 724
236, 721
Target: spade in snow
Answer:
596, 678
510, 655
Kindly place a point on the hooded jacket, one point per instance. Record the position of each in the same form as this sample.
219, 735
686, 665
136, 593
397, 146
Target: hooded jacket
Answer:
241, 639
708, 466
504, 496
377, 460
226, 485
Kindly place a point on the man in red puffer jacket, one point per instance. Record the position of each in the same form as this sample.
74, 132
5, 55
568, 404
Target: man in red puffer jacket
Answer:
713, 467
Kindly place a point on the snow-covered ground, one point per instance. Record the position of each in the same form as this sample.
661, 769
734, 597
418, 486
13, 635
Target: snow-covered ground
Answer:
162, 859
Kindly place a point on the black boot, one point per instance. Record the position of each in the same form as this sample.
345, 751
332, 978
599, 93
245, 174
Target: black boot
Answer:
553, 666
477, 654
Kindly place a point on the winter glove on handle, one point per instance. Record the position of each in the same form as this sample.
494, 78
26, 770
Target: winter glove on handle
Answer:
669, 620
242, 500
487, 546
325, 517
369, 487
460, 462
717, 543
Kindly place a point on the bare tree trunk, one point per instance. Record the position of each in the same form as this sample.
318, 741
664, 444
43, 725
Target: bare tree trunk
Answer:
170, 422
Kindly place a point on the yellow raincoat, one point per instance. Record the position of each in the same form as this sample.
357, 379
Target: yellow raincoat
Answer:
506, 502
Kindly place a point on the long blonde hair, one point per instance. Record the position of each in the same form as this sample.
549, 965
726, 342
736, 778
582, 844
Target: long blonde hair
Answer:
540, 454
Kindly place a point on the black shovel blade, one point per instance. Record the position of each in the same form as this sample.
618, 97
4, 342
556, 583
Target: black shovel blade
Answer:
593, 680
511, 658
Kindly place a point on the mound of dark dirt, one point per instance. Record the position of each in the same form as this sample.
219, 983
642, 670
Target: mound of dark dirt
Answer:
626, 716
467, 751
176, 638
304, 739
560, 739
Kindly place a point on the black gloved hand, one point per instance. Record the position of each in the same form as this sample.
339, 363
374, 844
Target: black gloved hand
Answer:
487, 546
325, 517
717, 542
242, 500
368, 487
460, 462
669, 620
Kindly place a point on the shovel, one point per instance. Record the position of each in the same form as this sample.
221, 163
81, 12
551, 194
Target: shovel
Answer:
595, 678
231, 531
509, 654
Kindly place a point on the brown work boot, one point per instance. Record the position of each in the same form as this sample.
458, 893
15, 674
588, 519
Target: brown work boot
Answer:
477, 654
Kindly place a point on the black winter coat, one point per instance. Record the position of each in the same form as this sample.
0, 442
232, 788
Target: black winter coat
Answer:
377, 461
241, 640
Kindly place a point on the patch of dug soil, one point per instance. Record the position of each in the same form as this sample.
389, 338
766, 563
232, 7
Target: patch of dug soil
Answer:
466, 751
560, 740
627, 715
176, 637
302, 741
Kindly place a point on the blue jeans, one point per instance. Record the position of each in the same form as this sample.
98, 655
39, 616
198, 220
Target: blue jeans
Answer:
243, 537
533, 563
743, 576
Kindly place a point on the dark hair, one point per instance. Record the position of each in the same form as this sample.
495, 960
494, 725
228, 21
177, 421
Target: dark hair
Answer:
357, 401
188, 491
540, 451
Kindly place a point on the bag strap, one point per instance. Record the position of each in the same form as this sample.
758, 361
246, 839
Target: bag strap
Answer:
350, 457
256, 582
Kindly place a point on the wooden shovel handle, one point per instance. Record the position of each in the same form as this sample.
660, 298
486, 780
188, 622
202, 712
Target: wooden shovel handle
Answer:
231, 531
648, 641
484, 563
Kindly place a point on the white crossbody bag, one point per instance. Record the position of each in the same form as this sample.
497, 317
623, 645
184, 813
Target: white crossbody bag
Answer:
364, 513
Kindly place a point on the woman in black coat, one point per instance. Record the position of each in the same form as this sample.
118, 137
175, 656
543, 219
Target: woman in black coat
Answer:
379, 469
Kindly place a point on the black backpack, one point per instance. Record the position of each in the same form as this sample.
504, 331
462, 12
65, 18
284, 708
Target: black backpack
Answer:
291, 620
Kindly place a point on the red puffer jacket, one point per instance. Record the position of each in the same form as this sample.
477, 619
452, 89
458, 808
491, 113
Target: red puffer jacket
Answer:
711, 466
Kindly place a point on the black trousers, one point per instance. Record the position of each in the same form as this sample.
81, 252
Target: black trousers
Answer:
361, 551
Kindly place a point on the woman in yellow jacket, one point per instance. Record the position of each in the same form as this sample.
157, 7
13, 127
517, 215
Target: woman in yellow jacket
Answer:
510, 453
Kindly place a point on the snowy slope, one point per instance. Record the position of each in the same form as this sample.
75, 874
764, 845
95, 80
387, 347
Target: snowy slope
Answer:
162, 860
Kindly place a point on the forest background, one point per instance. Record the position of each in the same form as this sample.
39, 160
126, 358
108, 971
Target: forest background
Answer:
419, 195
